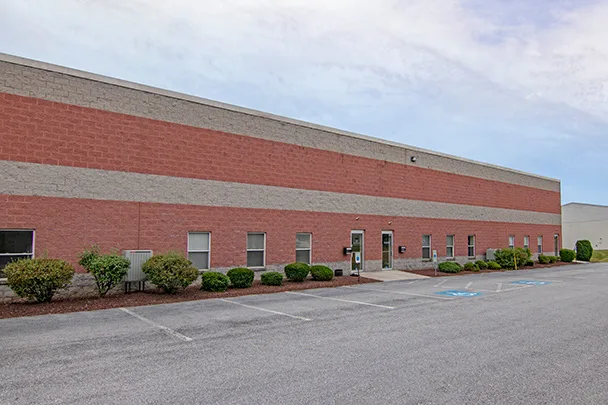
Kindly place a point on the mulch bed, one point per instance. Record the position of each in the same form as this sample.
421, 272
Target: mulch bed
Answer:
153, 296
431, 272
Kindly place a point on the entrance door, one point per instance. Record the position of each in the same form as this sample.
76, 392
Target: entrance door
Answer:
356, 258
387, 250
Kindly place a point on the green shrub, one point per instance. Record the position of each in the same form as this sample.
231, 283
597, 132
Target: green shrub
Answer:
492, 265
567, 255
38, 279
470, 266
297, 271
584, 250
449, 267
107, 270
481, 264
509, 258
170, 272
530, 263
241, 277
542, 259
88, 255
321, 273
553, 259
214, 281
272, 278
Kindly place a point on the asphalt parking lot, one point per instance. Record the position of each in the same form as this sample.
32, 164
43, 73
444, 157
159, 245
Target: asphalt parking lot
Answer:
520, 337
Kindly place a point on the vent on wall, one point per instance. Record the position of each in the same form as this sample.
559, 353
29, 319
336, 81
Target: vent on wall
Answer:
135, 275
490, 254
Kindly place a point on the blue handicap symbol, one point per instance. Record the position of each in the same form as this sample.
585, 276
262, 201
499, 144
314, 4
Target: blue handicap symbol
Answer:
531, 282
459, 293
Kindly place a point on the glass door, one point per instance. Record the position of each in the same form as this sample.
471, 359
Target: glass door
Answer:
356, 258
387, 250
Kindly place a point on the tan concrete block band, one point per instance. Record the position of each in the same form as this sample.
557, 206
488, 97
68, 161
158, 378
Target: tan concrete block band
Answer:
32, 179
29, 78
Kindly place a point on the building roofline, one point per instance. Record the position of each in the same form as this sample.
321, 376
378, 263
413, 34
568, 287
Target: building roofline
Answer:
586, 204
216, 104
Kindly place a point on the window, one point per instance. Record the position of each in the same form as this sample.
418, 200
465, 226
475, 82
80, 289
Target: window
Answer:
303, 247
426, 246
449, 246
512, 241
256, 249
526, 242
471, 249
15, 245
540, 244
198, 249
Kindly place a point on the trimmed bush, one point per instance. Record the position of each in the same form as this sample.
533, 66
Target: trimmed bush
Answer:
542, 259
567, 255
214, 281
272, 278
530, 263
170, 272
509, 258
297, 271
241, 277
492, 265
481, 264
321, 273
38, 279
470, 266
449, 267
584, 250
107, 270
553, 259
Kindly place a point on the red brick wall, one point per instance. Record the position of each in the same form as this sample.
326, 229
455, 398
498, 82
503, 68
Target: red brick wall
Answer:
39, 131
65, 226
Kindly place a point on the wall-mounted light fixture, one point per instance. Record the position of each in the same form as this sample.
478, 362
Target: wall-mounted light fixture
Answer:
402, 249
356, 219
348, 250
390, 222
413, 159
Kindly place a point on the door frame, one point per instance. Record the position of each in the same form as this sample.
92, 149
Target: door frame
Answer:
392, 259
362, 232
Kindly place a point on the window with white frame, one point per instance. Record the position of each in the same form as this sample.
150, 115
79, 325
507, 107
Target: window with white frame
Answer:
256, 249
449, 246
527, 242
426, 246
512, 241
15, 244
471, 245
540, 244
199, 249
303, 247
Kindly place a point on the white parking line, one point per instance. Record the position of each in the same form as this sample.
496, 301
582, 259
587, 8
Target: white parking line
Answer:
157, 325
400, 292
341, 300
444, 281
468, 285
498, 287
508, 289
265, 310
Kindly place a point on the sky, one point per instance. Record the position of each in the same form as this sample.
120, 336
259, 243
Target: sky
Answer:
517, 83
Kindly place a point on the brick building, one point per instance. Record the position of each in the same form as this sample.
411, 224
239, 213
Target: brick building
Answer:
89, 159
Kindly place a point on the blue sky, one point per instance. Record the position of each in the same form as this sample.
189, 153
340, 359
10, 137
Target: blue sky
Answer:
519, 83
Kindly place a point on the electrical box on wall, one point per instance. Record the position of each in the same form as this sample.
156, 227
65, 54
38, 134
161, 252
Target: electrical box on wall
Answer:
348, 250
402, 249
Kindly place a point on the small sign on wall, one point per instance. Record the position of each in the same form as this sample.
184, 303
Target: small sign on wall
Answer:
358, 257
434, 256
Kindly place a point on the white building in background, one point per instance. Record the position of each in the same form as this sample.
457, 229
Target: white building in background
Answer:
585, 221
